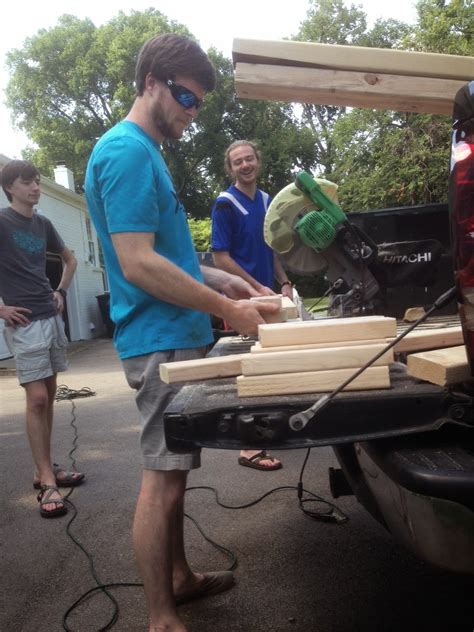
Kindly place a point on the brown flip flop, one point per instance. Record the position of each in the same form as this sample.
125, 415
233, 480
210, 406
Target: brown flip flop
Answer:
69, 479
255, 461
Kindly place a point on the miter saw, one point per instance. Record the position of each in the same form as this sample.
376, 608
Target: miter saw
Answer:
307, 228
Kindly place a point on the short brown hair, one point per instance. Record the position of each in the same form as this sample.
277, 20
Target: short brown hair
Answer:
17, 169
166, 56
234, 145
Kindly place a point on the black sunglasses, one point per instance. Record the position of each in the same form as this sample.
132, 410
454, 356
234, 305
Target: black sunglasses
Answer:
183, 96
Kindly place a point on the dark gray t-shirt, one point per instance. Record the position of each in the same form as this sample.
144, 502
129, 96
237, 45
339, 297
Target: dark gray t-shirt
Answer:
24, 242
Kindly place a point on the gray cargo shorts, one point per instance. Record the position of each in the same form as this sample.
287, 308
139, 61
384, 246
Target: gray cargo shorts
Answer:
39, 348
152, 398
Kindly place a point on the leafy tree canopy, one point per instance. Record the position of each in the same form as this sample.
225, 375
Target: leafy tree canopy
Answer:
72, 82
382, 158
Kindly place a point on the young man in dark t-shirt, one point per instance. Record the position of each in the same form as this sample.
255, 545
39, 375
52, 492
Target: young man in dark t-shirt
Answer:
34, 328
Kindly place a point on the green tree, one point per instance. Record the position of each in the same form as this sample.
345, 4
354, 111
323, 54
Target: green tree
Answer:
201, 233
333, 22
393, 158
444, 27
81, 79
71, 83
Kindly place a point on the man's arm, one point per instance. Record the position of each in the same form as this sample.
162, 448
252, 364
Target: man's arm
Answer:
155, 274
281, 277
232, 285
224, 261
69, 267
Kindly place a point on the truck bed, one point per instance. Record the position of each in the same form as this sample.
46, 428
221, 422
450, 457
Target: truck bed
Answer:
211, 414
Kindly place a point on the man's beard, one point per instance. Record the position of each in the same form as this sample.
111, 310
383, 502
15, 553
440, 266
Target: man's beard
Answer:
161, 124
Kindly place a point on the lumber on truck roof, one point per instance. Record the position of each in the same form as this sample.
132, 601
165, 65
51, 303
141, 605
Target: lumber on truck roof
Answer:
355, 76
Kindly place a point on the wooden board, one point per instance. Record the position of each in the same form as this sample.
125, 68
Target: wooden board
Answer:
430, 339
258, 349
326, 330
346, 88
284, 303
354, 58
311, 382
313, 360
414, 341
200, 369
281, 316
441, 366
291, 309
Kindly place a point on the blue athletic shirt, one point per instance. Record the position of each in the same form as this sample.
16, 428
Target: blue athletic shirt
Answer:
237, 228
129, 189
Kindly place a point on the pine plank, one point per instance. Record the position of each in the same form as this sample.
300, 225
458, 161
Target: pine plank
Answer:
200, 369
414, 341
353, 58
441, 366
311, 382
346, 88
326, 330
257, 348
313, 360
281, 316
430, 339
291, 309
283, 302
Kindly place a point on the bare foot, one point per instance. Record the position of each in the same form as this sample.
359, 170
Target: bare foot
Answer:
168, 626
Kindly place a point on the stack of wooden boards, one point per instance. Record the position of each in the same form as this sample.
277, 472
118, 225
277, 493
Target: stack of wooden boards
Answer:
337, 347
312, 356
319, 369
354, 76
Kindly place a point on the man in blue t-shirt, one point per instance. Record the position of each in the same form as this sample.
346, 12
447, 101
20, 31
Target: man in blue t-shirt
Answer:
238, 245
159, 302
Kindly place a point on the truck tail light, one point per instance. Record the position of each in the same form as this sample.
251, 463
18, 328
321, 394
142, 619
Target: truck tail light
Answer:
461, 205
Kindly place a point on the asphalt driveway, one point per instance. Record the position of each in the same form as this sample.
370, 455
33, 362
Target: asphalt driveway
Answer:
293, 573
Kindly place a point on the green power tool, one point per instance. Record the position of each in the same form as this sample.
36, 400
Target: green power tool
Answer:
318, 229
312, 235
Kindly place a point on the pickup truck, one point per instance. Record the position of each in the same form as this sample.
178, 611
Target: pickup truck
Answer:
407, 453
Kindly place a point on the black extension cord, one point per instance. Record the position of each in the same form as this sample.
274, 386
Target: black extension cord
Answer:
332, 514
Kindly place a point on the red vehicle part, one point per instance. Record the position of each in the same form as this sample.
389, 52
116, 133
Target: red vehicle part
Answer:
462, 210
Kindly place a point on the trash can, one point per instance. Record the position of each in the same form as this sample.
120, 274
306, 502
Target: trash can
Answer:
104, 306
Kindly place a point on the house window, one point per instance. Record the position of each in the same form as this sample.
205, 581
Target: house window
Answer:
90, 241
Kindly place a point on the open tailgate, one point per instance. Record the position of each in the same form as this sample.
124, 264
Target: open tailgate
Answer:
211, 414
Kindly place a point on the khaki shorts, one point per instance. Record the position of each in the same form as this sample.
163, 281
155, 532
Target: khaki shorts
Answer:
152, 398
39, 348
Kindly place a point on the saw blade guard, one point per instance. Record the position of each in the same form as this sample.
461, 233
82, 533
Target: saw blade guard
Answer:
285, 210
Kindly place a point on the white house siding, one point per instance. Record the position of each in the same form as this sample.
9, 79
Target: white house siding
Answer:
68, 212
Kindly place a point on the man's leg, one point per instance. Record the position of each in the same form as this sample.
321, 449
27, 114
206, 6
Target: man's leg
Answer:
39, 419
158, 514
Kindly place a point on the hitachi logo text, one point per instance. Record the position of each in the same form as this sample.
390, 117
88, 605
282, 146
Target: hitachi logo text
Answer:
415, 257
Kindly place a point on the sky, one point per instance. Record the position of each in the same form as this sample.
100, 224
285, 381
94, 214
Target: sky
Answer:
212, 22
